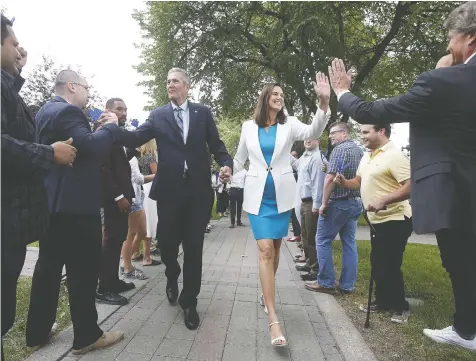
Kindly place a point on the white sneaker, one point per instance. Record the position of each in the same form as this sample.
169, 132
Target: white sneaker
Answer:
448, 335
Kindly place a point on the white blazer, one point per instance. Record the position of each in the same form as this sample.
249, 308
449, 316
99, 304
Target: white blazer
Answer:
280, 166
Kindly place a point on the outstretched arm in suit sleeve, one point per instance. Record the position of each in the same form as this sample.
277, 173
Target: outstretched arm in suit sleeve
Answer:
241, 155
415, 105
215, 144
301, 131
73, 125
138, 137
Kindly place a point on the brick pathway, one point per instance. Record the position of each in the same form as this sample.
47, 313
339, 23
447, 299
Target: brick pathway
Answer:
233, 324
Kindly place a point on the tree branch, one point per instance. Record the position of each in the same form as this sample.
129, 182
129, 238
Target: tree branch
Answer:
400, 12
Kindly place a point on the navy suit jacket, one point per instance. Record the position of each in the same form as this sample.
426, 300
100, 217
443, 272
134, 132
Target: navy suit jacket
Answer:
441, 109
202, 138
74, 189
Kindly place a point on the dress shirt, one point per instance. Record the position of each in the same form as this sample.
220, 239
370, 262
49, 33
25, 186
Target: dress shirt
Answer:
238, 179
467, 60
186, 121
310, 164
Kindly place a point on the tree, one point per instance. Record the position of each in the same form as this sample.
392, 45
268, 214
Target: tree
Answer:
39, 86
231, 48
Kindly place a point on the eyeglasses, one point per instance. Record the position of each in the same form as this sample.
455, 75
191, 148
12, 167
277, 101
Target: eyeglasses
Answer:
336, 131
82, 85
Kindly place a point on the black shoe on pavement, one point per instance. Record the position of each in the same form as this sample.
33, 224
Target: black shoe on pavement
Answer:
311, 276
111, 298
192, 320
303, 268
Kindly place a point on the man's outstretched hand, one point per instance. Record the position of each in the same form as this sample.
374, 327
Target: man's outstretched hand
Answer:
340, 79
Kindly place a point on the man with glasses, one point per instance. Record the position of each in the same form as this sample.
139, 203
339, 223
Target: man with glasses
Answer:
338, 214
74, 235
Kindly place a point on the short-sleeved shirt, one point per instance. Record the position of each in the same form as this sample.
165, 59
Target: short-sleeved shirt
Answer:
382, 173
144, 163
348, 155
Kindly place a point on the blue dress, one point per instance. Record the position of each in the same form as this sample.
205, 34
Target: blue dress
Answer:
269, 224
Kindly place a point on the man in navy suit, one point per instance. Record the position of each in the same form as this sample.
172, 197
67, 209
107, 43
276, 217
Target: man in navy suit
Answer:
441, 110
74, 234
181, 187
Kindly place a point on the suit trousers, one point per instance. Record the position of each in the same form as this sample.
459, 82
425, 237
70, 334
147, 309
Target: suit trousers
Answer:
295, 223
184, 220
115, 233
13, 258
308, 234
458, 255
73, 241
388, 245
236, 204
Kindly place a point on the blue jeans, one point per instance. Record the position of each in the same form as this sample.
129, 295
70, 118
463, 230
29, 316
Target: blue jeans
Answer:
342, 217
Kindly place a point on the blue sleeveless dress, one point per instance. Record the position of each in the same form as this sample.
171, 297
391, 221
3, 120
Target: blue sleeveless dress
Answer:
269, 224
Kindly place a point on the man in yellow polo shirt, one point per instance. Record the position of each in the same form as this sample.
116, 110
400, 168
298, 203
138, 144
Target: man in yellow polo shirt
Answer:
383, 178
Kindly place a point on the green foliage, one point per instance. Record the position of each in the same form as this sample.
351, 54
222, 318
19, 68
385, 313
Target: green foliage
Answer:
231, 48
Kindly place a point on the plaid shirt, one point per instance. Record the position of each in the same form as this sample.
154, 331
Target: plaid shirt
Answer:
348, 154
25, 212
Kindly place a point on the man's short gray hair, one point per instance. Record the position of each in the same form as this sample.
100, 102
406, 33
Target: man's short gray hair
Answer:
181, 71
66, 76
462, 20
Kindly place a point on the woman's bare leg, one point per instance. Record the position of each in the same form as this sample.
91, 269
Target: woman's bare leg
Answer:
127, 246
266, 273
277, 251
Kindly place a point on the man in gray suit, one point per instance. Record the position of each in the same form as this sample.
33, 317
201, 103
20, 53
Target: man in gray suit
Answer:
441, 109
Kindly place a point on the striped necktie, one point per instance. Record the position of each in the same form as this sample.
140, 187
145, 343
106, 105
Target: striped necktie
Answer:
178, 111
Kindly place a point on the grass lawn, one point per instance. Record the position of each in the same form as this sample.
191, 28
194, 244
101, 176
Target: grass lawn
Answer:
14, 342
425, 279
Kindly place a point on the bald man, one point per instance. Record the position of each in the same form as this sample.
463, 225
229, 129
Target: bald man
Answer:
74, 234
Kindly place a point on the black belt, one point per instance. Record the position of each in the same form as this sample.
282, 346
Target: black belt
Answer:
308, 199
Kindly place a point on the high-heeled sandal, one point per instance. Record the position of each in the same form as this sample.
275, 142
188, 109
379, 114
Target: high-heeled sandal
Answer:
261, 302
274, 341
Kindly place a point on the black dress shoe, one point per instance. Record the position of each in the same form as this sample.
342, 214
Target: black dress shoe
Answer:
240, 224
121, 286
311, 276
172, 294
111, 298
192, 320
303, 268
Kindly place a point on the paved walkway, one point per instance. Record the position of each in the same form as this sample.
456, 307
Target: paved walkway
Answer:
233, 325
362, 234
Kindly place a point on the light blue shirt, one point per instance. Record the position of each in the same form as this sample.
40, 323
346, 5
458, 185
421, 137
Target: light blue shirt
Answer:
310, 176
186, 121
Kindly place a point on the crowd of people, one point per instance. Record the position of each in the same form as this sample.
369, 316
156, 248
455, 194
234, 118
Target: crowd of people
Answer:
90, 196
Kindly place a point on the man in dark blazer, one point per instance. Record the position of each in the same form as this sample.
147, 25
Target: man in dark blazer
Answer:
24, 199
74, 235
441, 109
181, 187
116, 199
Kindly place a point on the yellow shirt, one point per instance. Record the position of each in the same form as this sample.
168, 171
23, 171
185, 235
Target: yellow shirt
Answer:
381, 174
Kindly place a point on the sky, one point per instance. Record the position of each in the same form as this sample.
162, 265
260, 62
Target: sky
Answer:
99, 36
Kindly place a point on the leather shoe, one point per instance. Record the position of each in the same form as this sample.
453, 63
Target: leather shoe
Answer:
172, 294
303, 268
192, 320
121, 286
111, 298
311, 276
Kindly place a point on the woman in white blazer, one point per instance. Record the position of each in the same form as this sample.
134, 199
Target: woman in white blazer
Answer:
270, 187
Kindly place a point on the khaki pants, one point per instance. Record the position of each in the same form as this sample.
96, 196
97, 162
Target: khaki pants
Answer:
308, 234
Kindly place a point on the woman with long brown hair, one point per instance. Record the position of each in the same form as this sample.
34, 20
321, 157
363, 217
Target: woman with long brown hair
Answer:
270, 187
